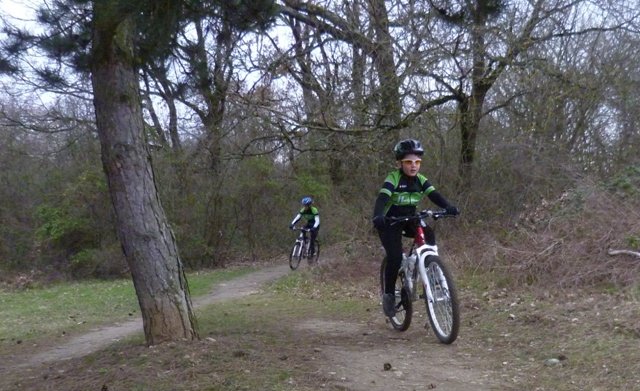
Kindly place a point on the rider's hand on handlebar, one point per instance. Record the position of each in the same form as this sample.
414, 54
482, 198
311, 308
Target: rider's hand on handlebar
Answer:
291, 226
452, 210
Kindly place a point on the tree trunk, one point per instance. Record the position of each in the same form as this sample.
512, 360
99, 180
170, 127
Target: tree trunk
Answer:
467, 142
213, 85
471, 107
146, 237
383, 60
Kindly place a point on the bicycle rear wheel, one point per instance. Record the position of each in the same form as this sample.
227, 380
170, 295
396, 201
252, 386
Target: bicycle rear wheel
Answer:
295, 256
404, 307
441, 300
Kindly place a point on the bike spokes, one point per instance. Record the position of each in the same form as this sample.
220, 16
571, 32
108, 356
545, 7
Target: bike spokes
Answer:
441, 298
404, 309
295, 256
441, 301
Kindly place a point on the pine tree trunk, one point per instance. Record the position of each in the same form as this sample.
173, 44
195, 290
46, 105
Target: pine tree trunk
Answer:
146, 237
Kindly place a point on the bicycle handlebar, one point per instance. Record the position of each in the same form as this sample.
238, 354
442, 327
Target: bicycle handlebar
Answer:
434, 214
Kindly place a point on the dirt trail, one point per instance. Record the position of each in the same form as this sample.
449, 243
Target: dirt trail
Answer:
376, 358
355, 363
104, 336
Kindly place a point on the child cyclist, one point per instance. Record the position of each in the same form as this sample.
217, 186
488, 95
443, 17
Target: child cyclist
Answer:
311, 214
402, 190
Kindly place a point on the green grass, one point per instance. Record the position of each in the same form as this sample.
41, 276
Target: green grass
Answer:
276, 340
201, 282
76, 306
27, 314
249, 343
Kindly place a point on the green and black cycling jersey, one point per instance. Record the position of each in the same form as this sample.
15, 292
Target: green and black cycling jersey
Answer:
400, 194
310, 214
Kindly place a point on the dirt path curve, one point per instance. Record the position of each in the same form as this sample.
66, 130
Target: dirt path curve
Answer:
352, 355
103, 336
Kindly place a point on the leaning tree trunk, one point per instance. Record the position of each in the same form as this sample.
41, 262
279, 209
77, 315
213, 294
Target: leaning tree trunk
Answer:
147, 240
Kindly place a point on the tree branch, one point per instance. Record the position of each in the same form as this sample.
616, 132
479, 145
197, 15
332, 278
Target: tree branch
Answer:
624, 252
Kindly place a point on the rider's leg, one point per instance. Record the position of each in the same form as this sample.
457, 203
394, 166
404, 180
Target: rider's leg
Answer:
429, 235
391, 238
312, 244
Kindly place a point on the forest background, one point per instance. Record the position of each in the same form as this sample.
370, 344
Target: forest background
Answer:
528, 111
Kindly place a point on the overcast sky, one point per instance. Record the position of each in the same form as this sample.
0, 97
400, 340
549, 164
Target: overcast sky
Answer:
18, 8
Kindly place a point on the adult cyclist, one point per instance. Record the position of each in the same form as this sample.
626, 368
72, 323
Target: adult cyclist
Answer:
312, 216
401, 191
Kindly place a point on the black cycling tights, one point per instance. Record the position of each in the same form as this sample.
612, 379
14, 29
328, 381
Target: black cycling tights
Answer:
313, 235
391, 238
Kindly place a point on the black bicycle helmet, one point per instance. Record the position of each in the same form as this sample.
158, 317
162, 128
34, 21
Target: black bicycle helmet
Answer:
408, 147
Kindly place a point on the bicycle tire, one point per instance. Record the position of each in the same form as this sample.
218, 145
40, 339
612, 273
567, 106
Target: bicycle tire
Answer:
404, 307
295, 256
444, 309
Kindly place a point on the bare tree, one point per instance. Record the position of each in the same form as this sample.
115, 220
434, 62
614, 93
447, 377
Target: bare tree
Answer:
157, 72
377, 46
377, 51
481, 39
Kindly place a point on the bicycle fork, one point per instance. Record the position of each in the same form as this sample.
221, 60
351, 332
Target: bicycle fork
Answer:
409, 270
423, 252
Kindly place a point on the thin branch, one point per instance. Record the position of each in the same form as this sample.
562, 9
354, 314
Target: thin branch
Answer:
624, 252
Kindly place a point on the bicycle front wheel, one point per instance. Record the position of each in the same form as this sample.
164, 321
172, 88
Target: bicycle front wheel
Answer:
441, 300
404, 307
295, 256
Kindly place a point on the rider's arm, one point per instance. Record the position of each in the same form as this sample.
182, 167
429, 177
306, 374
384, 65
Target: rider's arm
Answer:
381, 201
378, 210
439, 199
295, 220
434, 195
385, 193
316, 218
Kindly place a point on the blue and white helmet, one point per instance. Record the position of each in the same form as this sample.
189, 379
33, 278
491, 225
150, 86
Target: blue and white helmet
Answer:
306, 201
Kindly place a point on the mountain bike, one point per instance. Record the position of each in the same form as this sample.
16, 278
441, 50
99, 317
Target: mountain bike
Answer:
300, 249
422, 265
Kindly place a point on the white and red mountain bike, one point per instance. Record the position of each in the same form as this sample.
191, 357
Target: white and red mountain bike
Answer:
422, 265
301, 248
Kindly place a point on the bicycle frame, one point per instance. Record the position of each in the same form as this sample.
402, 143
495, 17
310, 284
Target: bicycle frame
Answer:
302, 239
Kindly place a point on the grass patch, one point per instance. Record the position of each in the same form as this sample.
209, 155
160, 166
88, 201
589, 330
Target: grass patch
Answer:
201, 282
251, 343
592, 335
282, 339
66, 308
61, 308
